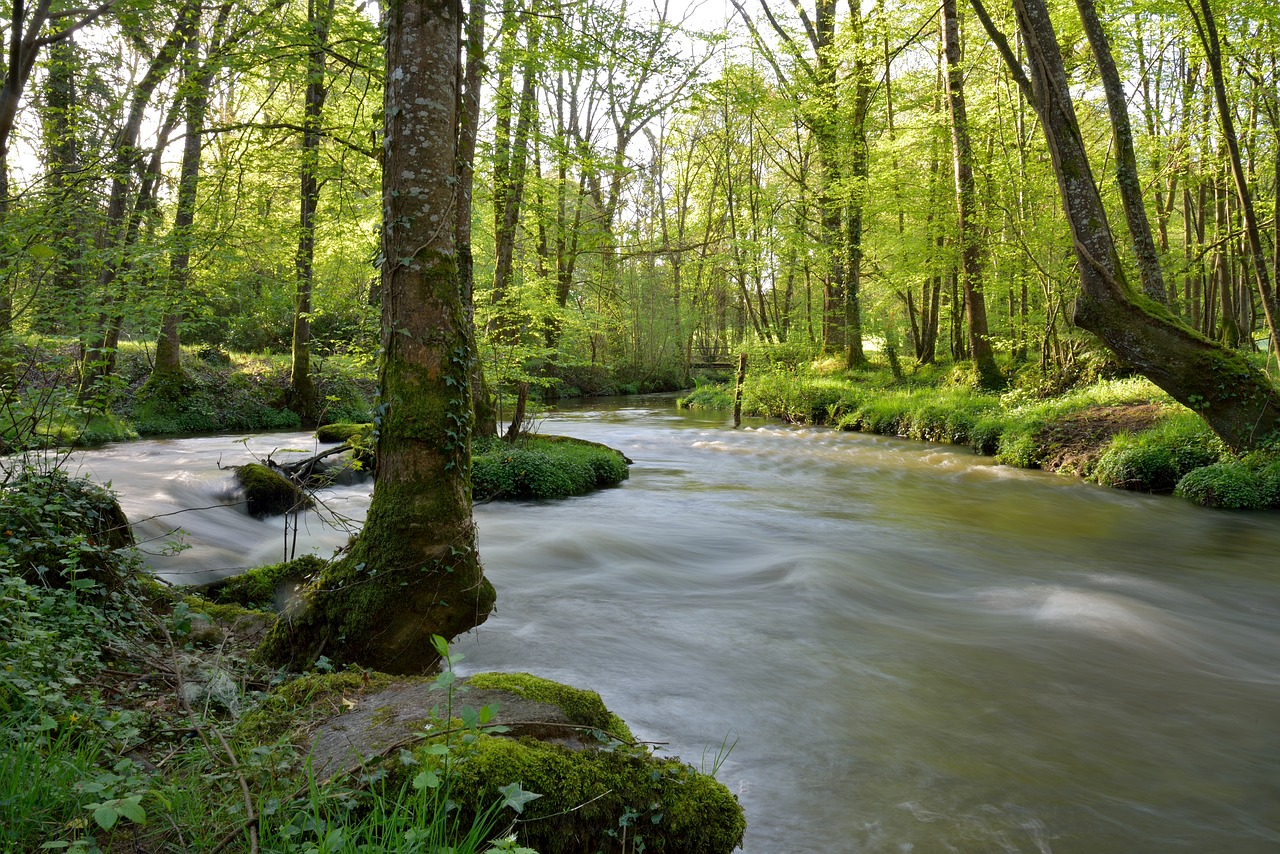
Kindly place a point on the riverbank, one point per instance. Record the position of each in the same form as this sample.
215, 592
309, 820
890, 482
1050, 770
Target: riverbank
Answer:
138, 717
1124, 433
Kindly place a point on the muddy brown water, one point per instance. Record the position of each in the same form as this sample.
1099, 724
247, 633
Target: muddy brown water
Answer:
909, 648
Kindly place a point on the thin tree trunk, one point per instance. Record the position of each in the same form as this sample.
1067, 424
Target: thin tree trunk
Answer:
1135, 212
984, 362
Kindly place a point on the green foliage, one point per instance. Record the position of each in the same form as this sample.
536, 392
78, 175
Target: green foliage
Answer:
210, 398
263, 587
798, 398
709, 396
1156, 459
543, 467
1229, 485
60, 531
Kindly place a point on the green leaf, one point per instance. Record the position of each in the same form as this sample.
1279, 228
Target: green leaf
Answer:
106, 817
131, 808
516, 797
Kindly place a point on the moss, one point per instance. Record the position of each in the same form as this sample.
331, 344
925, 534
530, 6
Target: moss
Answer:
267, 492
582, 707
343, 432
545, 467
592, 798
260, 588
293, 708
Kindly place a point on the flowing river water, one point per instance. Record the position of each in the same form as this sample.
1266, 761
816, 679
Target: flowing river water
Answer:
908, 647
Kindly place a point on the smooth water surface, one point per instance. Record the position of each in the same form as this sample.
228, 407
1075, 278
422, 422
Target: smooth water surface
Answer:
910, 648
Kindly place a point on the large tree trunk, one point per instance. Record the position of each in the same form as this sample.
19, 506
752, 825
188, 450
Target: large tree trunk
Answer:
414, 570
1237, 401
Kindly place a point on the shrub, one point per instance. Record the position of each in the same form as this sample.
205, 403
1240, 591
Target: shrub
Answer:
1156, 459
1269, 484
1230, 486
1130, 463
1018, 448
709, 396
56, 530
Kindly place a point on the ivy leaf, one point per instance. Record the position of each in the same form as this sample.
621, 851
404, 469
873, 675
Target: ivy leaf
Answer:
516, 797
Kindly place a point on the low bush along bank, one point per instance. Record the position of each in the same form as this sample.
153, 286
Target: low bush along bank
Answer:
1124, 433
134, 717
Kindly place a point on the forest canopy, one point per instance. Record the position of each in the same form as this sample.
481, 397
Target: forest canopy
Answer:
651, 188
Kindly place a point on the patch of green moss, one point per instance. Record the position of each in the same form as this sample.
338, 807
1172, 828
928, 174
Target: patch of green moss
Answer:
544, 467
267, 492
343, 432
299, 704
584, 708
259, 588
592, 798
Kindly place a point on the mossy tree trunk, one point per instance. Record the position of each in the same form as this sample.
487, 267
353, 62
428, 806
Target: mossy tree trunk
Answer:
1239, 403
414, 570
302, 388
486, 417
975, 306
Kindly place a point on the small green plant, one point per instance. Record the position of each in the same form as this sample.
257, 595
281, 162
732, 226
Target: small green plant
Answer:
1229, 486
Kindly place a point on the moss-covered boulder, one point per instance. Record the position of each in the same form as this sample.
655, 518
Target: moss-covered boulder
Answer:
58, 529
343, 432
596, 786
544, 467
267, 492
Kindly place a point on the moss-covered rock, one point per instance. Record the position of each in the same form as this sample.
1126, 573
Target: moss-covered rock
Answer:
593, 799
544, 467
267, 492
582, 707
596, 786
343, 432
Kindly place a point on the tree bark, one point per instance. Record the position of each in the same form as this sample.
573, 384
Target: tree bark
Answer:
1237, 401
1135, 212
413, 571
984, 360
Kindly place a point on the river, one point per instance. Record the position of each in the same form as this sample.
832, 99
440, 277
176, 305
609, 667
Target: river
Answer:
909, 648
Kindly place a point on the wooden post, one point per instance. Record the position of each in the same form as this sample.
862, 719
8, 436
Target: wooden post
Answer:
737, 390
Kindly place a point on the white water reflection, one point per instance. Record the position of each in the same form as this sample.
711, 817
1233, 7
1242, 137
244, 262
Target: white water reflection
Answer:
916, 650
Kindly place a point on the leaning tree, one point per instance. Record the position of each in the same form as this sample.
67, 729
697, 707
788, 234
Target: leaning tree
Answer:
1238, 401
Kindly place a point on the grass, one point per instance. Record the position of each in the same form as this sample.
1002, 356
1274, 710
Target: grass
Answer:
1019, 427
